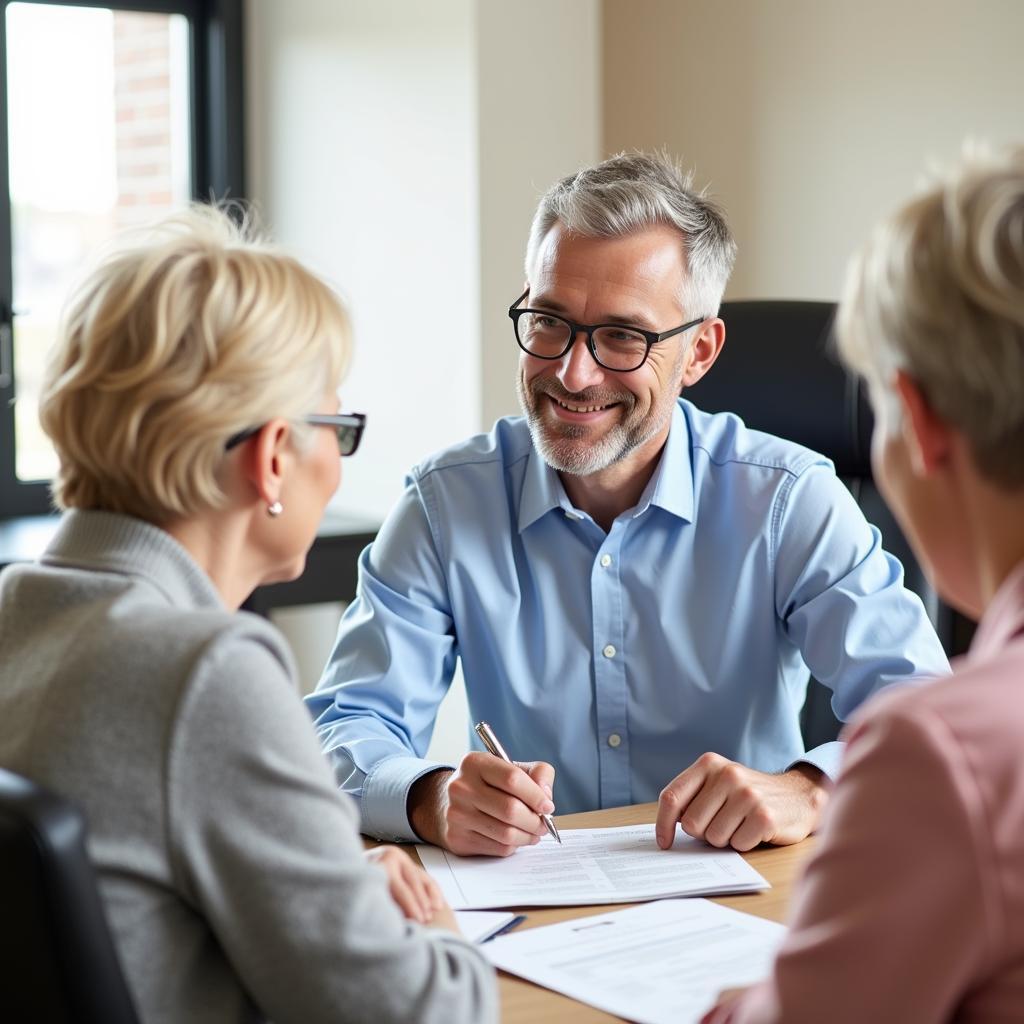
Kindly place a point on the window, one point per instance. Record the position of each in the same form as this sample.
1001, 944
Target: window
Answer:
110, 116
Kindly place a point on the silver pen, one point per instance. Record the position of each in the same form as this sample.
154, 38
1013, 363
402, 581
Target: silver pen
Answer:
490, 741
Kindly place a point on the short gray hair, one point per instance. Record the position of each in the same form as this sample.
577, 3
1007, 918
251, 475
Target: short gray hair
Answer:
634, 191
938, 292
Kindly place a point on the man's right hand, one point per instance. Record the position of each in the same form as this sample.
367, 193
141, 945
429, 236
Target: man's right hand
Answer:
486, 807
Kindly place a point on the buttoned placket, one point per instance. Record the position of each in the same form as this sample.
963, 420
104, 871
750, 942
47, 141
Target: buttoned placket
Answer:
609, 662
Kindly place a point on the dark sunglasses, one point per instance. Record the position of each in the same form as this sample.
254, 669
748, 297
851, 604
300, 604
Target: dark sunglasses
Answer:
347, 426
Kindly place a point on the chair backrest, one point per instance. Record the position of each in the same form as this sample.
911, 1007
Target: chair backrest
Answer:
57, 959
779, 372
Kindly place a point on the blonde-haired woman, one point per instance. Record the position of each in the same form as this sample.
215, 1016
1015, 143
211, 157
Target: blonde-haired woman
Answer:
192, 402
912, 911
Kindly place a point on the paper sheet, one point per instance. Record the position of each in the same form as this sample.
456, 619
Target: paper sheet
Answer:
602, 865
661, 963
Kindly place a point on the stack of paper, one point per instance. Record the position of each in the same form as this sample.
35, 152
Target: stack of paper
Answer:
604, 865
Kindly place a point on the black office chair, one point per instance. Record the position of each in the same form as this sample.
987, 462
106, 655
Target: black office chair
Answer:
57, 958
779, 372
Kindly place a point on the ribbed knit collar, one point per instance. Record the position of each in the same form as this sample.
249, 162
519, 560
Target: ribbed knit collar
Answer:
110, 542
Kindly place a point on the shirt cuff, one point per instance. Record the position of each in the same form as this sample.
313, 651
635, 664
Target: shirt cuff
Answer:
386, 793
826, 758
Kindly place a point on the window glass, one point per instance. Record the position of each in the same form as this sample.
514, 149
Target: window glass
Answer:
98, 139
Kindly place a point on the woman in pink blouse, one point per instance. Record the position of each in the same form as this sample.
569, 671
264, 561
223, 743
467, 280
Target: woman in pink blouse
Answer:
912, 909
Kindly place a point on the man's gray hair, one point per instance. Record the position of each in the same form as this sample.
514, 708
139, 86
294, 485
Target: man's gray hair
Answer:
632, 192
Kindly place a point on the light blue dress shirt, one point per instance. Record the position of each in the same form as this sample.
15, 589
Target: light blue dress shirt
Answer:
618, 657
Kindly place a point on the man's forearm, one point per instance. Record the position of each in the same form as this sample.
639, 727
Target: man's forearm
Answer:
425, 805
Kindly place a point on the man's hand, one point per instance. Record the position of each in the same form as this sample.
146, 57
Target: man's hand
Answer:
418, 896
487, 806
727, 804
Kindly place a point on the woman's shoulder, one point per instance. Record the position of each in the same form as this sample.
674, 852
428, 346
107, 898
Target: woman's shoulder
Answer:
181, 654
960, 737
978, 707
180, 636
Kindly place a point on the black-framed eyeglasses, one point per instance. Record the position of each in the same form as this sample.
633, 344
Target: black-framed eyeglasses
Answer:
616, 347
347, 426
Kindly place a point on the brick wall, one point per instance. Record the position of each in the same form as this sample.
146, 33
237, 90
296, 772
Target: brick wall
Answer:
142, 107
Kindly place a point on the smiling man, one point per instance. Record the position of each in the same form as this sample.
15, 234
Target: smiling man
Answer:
636, 589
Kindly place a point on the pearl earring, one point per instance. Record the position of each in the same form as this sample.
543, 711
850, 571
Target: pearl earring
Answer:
275, 509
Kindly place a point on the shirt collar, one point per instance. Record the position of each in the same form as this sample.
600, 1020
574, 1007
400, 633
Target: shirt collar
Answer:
542, 491
670, 488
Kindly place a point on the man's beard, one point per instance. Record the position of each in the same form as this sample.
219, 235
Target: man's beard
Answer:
561, 447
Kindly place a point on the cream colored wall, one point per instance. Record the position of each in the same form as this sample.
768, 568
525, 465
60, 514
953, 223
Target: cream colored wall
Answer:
539, 118
810, 118
362, 155
400, 147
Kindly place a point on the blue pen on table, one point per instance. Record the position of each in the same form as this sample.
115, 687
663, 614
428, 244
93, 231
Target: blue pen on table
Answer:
514, 923
490, 741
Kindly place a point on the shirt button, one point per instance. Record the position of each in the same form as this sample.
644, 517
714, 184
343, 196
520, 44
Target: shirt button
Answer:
609, 651
614, 740
606, 560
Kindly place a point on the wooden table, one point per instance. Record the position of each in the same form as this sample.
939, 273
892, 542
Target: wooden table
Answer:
522, 1002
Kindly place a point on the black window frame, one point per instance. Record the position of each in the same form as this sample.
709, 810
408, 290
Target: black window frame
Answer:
217, 118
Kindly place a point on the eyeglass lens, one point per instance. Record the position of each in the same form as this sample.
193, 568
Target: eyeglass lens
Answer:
348, 439
547, 336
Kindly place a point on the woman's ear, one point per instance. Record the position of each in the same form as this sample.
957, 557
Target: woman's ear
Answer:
268, 460
704, 350
929, 439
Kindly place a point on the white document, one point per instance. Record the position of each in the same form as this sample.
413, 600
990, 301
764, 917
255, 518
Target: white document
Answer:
662, 963
480, 925
600, 865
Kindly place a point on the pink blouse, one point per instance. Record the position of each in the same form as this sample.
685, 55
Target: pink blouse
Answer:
912, 909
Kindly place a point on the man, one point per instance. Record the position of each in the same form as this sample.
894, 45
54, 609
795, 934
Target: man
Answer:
632, 586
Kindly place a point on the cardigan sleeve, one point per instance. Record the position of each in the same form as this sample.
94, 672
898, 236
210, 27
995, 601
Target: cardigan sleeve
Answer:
268, 851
